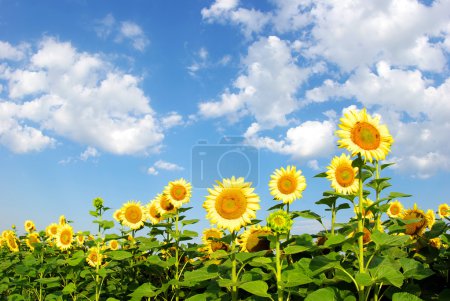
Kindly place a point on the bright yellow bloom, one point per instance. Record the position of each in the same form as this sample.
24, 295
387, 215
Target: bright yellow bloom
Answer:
232, 204
80, 239
212, 245
395, 209
113, 244
431, 218
362, 134
178, 192
94, 257
342, 175
62, 220
6, 233
164, 205
443, 210
254, 239
435, 242
152, 212
118, 215
133, 215
64, 238
287, 184
51, 230
211, 233
11, 242
29, 226
418, 227
32, 239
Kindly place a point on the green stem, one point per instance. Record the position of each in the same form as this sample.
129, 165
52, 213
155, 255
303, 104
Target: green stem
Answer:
177, 275
234, 288
361, 230
377, 195
333, 217
278, 266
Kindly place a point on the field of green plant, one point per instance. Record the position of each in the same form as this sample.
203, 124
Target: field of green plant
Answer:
145, 252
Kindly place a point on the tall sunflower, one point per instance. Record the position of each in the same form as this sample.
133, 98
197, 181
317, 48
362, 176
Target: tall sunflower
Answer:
51, 230
64, 238
231, 204
443, 211
287, 184
395, 209
29, 226
362, 134
117, 215
342, 175
11, 242
178, 192
94, 257
164, 205
133, 215
32, 239
152, 212
254, 239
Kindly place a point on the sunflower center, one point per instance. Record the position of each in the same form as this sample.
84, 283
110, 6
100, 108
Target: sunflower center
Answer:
133, 214
345, 175
279, 221
231, 204
257, 242
395, 210
54, 230
218, 245
444, 211
287, 184
178, 192
65, 237
166, 204
154, 213
365, 136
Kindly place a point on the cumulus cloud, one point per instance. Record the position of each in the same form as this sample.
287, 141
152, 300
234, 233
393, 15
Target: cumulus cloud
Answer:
90, 152
163, 165
62, 92
9, 52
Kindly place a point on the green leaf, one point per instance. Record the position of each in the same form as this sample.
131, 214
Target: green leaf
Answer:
334, 240
246, 256
388, 274
321, 175
324, 262
395, 195
48, 280
189, 222
306, 214
296, 249
405, 297
364, 279
277, 206
188, 233
258, 288
70, 288
342, 206
295, 277
386, 240
203, 274
329, 201
383, 166
414, 269
119, 255
145, 290
112, 299
322, 294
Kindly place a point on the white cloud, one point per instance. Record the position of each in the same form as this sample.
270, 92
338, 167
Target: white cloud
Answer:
90, 152
267, 88
79, 96
171, 120
313, 164
152, 171
9, 52
163, 165
105, 27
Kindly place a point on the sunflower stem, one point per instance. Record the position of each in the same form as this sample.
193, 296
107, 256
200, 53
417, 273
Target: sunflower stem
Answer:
278, 266
234, 287
377, 194
177, 276
361, 296
333, 217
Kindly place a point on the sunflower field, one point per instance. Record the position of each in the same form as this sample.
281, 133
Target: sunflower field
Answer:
146, 251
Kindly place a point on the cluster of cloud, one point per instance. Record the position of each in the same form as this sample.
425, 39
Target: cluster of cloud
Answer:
202, 61
55, 92
391, 56
163, 165
124, 31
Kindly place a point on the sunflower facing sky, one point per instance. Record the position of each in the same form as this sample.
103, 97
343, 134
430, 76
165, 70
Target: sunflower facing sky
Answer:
64, 238
287, 184
52, 230
133, 215
152, 213
94, 257
11, 242
443, 211
231, 204
395, 209
342, 175
178, 192
362, 134
164, 205
254, 239
29, 226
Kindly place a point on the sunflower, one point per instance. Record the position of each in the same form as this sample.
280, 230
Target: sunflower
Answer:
368, 214
443, 211
431, 218
32, 239
152, 212
118, 215
231, 204
342, 175
164, 205
287, 184
80, 239
420, 221
395, 209
435, 242
6, 233
254, 239
212, 245
62, 220
133, 215
211, 233
64, 238
52, 230
280, 221
362, 134
29, 226
94, 257
11, 242
113, 244
178, 192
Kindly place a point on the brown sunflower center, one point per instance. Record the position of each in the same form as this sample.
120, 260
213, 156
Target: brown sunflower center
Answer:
345, 175
94, 257
365, 136
178, 192
257, 242
54, 230
65, 237
114, 245
166, 204
287, 184
133, 214
231, 203
394, 210
218, 245
415, 228
444, 211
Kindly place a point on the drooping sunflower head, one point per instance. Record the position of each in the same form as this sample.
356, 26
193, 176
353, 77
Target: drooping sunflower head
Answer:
62, 220
366, 212
64, 238
287, 184
254, 239
118, 215
362, 134
231, 204
443, 211
80, 239
211, 233
431, 218
342, 175
416, 221
29, 226
52, 230
210, 239
94, 257
152, 213
32, 239
280, 222
133, 215
11, 242
178, 192
114, 245
395, 209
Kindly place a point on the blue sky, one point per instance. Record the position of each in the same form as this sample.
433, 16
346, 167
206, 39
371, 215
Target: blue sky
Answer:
110, 99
